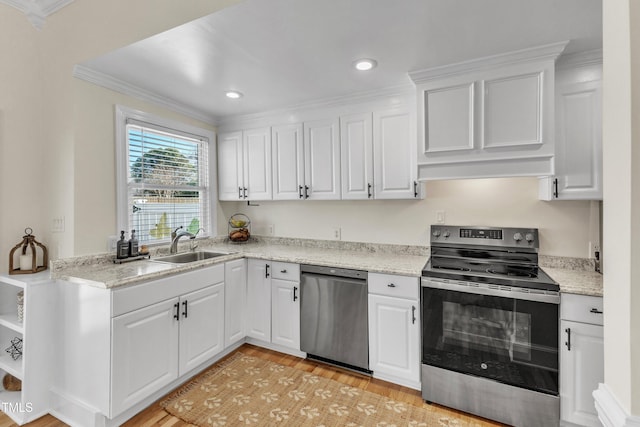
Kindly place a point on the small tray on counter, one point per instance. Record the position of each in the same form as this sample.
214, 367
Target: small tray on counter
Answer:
133, 258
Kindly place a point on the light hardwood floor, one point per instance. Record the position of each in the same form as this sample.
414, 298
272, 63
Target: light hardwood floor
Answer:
156, 416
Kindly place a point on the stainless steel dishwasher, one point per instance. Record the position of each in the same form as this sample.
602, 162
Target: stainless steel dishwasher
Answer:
334, 324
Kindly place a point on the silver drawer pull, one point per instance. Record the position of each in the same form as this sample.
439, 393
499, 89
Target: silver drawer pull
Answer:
391, 285
283, 271
595, 311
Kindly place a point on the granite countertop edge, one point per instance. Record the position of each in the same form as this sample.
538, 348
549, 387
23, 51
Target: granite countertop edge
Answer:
574, 275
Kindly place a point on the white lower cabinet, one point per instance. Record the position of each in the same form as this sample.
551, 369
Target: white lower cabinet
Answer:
120, 349
235, 296
259, 299
201, 326
285, 305
394, 329
273, 303
581, 359
145, 356
155, 345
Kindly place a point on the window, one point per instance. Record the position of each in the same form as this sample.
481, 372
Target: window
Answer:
163, 176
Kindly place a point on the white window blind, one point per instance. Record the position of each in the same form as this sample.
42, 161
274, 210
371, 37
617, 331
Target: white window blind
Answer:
167, 181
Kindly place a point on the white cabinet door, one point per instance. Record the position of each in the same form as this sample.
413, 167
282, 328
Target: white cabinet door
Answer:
512, 111
285, 313
449, 123
257, 163
144, 353
581, 370
356, 145
201, 326
235, 291
230, 166
578, 143
394, 338
259, 299
288, 162
394, 154
322, 159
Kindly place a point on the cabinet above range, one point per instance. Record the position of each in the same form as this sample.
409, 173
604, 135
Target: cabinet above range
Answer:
488, 117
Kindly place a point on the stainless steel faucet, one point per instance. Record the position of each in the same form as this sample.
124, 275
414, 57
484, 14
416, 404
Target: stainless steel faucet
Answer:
175, 237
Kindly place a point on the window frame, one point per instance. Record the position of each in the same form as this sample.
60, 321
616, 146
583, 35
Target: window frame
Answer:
122, 115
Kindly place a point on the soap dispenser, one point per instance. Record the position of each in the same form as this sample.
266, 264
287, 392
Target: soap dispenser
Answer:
122, 250
133, 244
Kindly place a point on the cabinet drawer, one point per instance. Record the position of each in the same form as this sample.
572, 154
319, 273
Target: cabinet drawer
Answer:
581, 308
285, 271
394, 286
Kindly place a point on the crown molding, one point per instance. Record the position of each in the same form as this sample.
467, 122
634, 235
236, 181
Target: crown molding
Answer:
580, 59
109, 82
37, 11
539, 53
399, 91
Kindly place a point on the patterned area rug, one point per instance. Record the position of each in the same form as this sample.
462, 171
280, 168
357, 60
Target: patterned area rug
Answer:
246, 390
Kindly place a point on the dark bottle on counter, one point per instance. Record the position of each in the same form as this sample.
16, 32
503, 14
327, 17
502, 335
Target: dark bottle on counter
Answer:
122, 250
133, 244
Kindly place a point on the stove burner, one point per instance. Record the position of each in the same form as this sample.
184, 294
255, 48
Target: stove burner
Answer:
444, 267
513, 271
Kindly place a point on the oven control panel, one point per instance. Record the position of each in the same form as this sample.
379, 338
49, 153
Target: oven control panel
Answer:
487, 236
481, 233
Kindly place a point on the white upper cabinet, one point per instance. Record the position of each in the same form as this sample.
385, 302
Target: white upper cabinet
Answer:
244, 165
395, 171
322, 160
306, 161
578, 174
449, 123
230, 166
356, 143
257, 166
288, 162
488, 117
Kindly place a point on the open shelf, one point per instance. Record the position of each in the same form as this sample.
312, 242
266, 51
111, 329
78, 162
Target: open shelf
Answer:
10, 366
10, 320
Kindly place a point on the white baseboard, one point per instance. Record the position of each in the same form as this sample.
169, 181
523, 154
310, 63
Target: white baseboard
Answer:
610, 412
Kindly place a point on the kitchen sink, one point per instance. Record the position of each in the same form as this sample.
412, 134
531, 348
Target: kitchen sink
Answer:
187, 257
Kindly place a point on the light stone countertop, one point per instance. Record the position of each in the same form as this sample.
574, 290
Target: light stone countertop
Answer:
577, 281
574, 275
100, 271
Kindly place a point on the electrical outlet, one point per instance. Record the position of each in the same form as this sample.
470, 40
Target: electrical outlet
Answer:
270, 229
440, 217
57, 224
112, 243
337, 233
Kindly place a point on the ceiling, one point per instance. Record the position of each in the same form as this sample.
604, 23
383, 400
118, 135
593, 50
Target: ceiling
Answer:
282, 53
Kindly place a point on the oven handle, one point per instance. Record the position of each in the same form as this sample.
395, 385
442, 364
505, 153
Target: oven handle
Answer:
490, 290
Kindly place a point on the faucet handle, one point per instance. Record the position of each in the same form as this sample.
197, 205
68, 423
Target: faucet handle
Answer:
175, 232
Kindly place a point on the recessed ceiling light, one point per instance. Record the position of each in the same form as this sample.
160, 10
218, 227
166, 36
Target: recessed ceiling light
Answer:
365, 64
233, 94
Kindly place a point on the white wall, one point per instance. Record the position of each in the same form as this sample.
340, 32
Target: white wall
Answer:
21, 138
566, 227
621, 161
45, 116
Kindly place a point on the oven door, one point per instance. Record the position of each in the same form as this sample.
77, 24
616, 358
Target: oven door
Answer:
506, 334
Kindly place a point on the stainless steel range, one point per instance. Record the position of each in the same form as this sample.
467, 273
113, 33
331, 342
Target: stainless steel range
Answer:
490, 326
